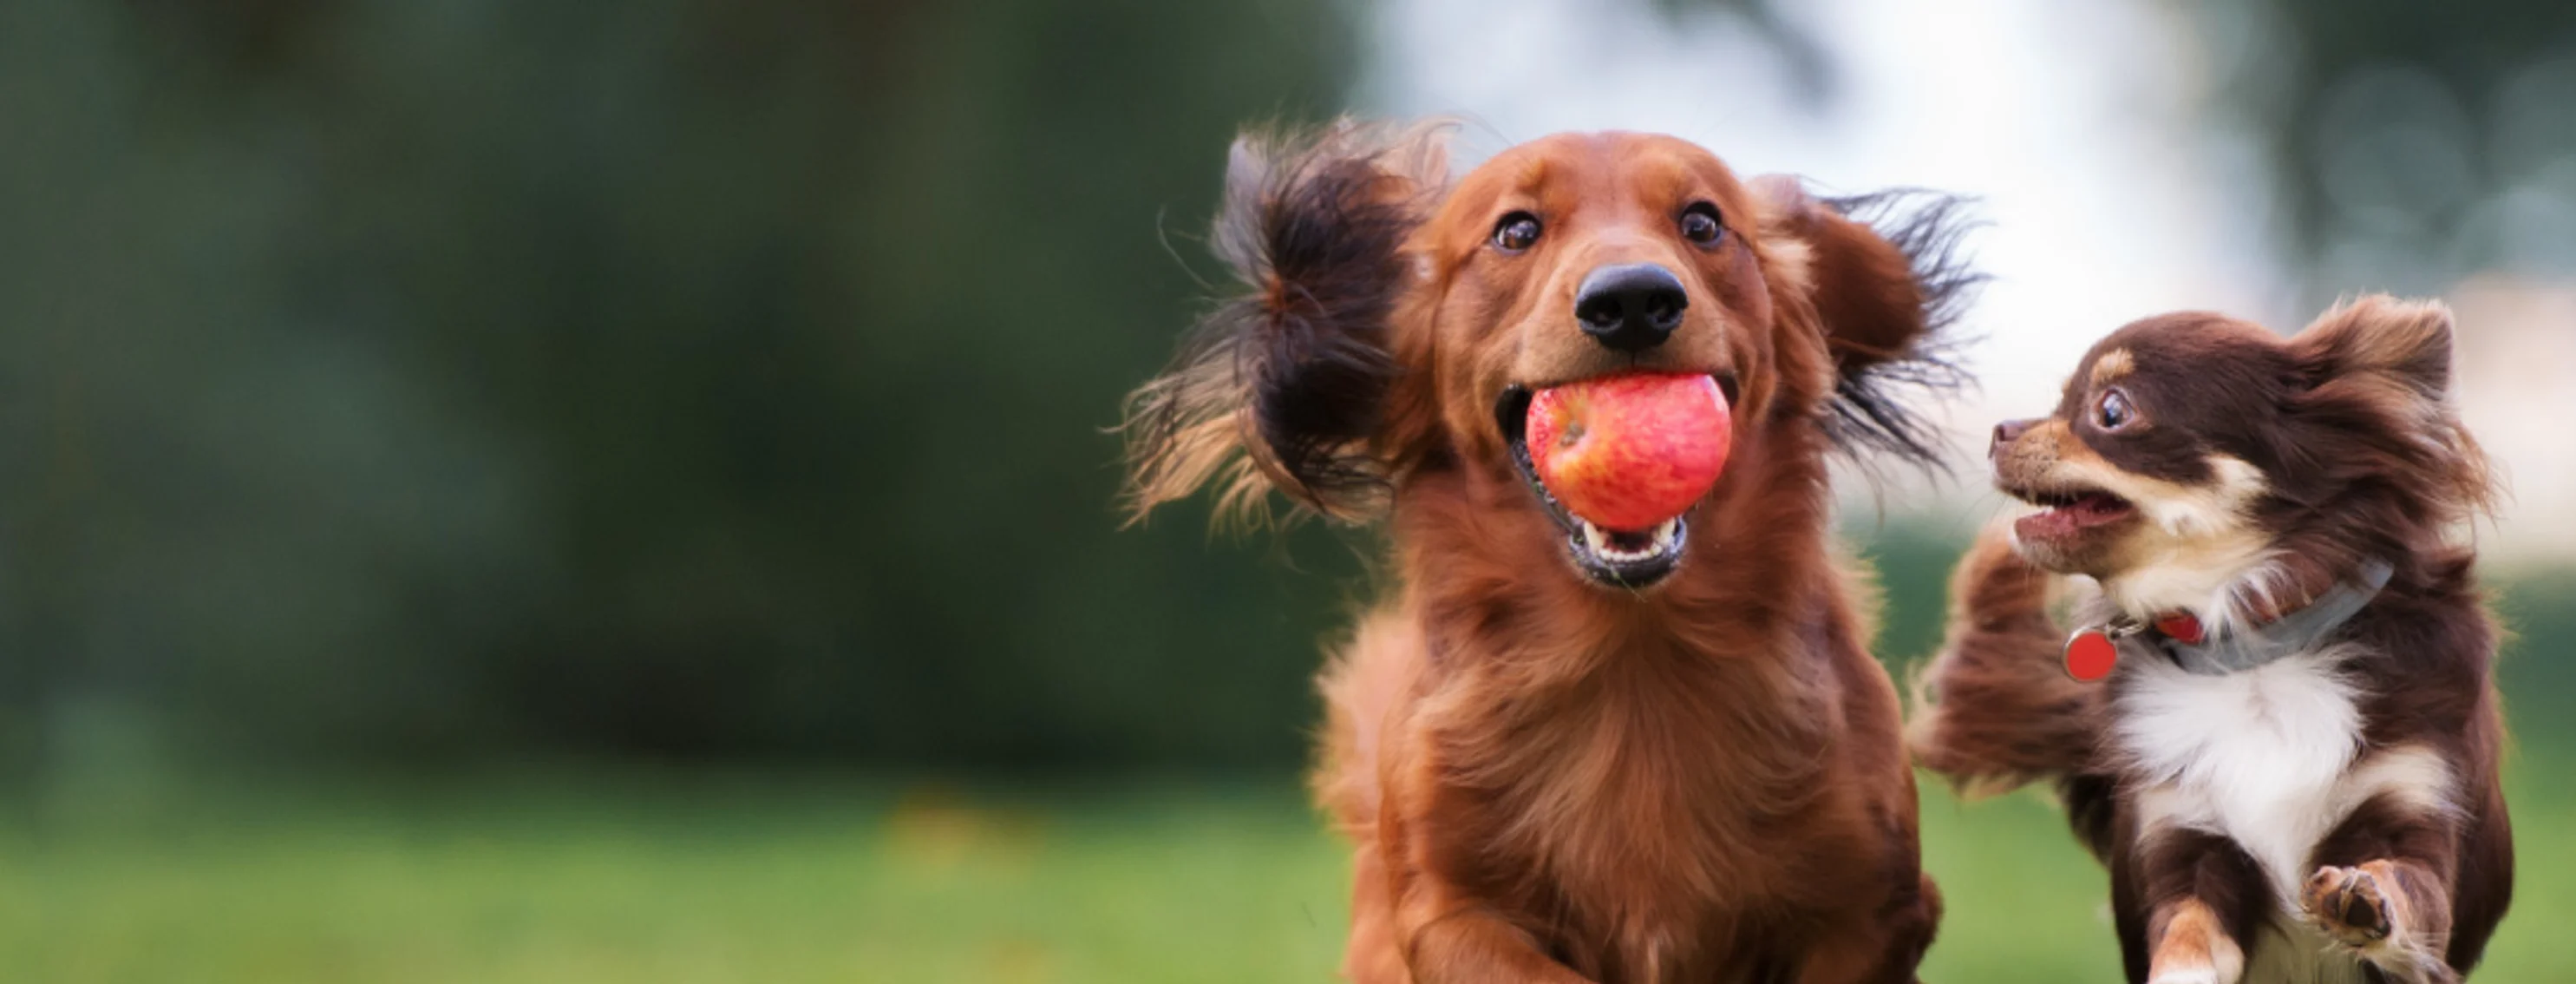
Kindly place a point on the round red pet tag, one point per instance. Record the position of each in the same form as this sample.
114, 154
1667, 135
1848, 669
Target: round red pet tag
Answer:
2090, 655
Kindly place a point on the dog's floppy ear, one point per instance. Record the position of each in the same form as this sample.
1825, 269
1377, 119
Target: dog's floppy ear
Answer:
1887, 281
1283, 386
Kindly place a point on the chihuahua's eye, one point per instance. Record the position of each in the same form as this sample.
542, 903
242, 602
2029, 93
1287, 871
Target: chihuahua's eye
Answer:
1700, 225
1516, 232
2112, 410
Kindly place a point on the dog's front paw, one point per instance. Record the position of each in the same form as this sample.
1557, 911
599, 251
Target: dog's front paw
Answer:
2195, 975
2350, 904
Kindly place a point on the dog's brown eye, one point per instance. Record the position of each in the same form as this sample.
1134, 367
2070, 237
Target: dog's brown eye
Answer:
1516, 232
2112, 411
1700, 225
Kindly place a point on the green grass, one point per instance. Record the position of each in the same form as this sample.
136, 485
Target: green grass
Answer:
767, 881
809, 879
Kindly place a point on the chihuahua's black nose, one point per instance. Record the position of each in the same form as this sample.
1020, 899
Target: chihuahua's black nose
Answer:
2006, 433
1632, 307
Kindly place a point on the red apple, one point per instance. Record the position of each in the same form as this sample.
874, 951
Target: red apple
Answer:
1627, 452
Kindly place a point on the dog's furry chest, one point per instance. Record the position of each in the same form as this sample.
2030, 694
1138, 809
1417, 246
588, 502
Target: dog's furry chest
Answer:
2265, 757
2272, 758
1647, 829
1661, 887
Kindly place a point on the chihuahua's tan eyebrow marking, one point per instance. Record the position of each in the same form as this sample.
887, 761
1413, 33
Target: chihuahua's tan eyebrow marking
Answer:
2113, 365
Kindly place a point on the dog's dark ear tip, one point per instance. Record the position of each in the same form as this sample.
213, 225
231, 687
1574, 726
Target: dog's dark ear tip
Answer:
1280, 389
1887, 359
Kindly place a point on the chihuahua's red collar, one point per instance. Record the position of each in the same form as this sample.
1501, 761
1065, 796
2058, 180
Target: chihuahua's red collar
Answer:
2094, 651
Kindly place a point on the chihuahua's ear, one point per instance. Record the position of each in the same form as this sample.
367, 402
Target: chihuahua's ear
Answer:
1886, 279
1283, 386
2407, 343
2377, 378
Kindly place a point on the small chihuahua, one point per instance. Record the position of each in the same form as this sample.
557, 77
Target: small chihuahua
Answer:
2267, 706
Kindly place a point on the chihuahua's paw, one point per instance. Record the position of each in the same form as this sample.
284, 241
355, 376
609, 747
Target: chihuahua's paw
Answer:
2350, 904
2189, 975
2194, 950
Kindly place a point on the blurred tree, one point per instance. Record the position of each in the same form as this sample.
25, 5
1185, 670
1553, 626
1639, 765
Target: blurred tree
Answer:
2412, 143
677, 378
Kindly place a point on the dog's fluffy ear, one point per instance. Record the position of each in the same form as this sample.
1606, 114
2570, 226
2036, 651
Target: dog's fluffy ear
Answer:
2377, 373
1887, 281
1283, 386
2403, 342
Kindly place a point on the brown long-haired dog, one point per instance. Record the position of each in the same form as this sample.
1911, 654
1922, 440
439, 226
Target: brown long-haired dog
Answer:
2288, 755
1661, 762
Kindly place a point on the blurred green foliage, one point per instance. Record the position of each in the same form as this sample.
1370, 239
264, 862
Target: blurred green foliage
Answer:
669, 378
2409, 144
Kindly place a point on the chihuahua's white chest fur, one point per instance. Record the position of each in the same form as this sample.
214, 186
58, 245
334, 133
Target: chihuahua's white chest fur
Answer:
2269, 758
2257, 756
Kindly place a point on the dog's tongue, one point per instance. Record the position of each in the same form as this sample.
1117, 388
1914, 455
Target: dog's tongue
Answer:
1628, 452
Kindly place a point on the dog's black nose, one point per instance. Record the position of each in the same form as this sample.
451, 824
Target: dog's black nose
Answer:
1632, 307
2006, 433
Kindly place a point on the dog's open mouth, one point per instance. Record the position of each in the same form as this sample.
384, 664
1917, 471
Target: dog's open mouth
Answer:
2067, 512
1620, 558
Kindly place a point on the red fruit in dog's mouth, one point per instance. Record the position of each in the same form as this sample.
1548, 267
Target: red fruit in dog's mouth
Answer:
1627, 453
